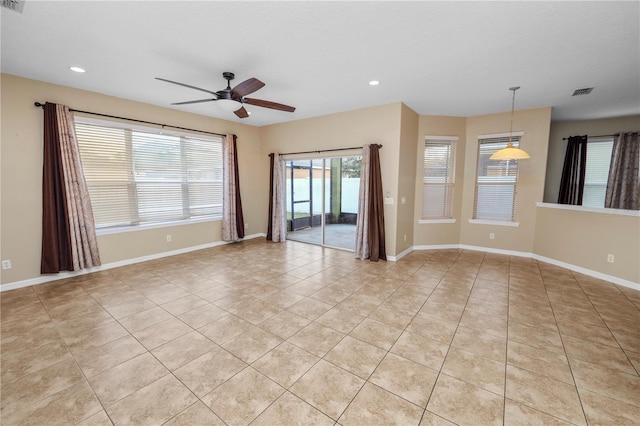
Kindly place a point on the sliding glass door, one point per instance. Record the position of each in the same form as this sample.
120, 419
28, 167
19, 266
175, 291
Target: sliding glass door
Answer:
304, 182
322, 200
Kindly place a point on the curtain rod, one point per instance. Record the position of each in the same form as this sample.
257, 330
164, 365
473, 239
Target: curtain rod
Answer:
598, 136
326, 150
41, 105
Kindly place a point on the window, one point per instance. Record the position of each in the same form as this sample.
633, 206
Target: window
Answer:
496, 181
439, 176
138, 176
597, 171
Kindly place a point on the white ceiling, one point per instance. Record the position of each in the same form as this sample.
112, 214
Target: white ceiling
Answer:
439, 58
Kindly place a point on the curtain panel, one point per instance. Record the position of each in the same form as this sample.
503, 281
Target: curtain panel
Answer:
68, 228
370, 236
573, 172
232, 217
362, 225
623, 185
276, 228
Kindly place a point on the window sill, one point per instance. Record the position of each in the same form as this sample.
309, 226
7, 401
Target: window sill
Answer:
610, 212
494, 222
427, 221
125, 229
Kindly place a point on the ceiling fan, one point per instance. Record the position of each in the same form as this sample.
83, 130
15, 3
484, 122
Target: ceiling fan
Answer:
233, 99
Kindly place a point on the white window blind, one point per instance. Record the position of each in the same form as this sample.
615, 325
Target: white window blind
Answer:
439, 176
496, 181
137, 176
597, 171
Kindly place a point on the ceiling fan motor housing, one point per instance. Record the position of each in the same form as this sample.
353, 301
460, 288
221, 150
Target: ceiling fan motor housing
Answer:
227, 94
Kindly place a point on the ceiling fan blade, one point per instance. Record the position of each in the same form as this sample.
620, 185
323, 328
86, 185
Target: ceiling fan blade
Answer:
194, 102
241, 113
247, 87
187, 85
269, 104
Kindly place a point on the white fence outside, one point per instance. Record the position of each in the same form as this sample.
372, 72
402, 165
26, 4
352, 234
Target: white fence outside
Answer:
349, 199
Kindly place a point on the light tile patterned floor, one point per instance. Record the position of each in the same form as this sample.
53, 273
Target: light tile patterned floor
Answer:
282, 334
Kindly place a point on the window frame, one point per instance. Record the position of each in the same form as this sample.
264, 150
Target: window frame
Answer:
187, 210
448, 185
501, 138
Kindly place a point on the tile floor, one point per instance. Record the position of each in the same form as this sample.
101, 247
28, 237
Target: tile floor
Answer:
281, 334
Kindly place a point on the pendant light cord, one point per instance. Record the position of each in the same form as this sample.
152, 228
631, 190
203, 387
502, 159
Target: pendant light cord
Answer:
513, 103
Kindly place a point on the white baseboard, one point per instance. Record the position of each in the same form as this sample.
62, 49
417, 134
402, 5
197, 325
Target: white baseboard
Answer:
438, 247
589, 272
400, 256
62, 275
579, 269
496, 251
48, 278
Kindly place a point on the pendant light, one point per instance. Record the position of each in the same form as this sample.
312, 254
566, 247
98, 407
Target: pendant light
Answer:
510, 153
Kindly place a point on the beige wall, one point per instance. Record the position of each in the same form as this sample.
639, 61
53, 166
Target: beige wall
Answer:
558, 147
380, 124
585, 239
439, 233
577, 238
535, 124
406, 179
21, 133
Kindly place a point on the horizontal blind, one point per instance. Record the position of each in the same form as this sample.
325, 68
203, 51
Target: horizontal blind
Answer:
597, 172
438, 180
496, 181
204, 176
140, 177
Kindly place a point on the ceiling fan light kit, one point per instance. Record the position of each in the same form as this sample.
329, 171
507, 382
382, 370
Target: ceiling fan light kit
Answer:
510, 152
229, 105
232, 100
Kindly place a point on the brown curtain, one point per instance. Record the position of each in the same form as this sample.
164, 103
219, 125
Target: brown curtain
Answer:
276, 227
370, 237
573, 172
376, 208
623, 186
232, 217
68, 229
270, 221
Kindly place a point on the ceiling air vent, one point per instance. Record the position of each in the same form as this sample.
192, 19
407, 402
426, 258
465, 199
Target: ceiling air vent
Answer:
15, 5
584, 91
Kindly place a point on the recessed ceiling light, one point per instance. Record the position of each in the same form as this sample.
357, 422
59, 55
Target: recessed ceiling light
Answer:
374, 83
76, 69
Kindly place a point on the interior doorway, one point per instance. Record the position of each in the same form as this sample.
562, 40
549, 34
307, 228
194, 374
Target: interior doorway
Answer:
322, 200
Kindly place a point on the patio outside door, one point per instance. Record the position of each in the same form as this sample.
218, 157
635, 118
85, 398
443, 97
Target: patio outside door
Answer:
322, 200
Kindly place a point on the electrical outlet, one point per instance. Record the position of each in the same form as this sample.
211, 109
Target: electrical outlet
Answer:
168, 238
492, 236
610, 258
246, 226
405, 237
403, 200
6, 264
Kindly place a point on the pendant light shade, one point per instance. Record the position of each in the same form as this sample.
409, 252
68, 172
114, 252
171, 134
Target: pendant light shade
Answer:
510, 152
